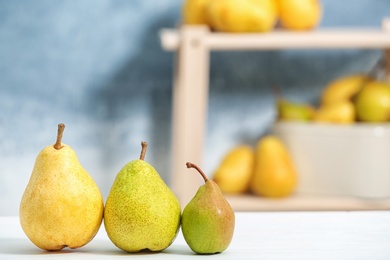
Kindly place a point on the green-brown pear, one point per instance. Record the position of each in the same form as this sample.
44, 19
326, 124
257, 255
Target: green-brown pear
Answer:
293, 111
208, 219
141, 212
61, 206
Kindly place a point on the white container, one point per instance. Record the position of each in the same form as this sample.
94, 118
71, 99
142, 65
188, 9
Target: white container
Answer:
330, 159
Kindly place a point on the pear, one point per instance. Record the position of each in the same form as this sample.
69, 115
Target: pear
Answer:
293, 111
242, 16
299, 14
61, 206
235, 171
208, 219
194, 12
343, 88
373, 102
275, 174
141, 212
341, 112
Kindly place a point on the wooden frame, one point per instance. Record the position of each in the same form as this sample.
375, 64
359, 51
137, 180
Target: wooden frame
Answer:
193, 45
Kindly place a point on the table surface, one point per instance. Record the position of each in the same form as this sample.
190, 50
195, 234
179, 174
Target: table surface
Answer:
258, 235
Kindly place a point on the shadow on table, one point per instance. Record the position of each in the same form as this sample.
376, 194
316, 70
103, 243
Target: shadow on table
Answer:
24, 247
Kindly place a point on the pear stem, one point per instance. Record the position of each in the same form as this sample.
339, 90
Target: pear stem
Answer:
58, 144
192, 165
143, 151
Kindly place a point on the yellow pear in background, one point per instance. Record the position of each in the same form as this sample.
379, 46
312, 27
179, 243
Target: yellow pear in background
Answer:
342, 112
62, 206
235, 171
275, 174
343, 88
299, 14
239, 16
194, 12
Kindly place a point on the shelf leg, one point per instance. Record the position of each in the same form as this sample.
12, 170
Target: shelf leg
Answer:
190, 101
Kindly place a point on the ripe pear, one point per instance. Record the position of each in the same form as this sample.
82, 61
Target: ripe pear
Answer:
235, 171
373, 102
242, 16
293, 111
141, 212
194, 12
275, 174
343, 88
208, 219
341, 112
62, 206
299, 14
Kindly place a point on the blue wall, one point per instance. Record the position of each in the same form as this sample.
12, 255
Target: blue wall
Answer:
98, 67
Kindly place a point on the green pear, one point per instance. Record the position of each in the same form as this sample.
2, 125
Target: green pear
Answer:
141, 212
288, 110
208, 219
61, 206
373, 102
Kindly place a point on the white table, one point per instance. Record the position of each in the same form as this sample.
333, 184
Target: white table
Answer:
258, 235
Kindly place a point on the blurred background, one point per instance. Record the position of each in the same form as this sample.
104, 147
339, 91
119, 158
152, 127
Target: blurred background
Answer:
99, 68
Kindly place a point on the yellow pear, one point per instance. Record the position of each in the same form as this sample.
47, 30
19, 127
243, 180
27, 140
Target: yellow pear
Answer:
299, 14
343, 88
194, 12
275, 174
239, 16
342, 112
61, 206
235, 171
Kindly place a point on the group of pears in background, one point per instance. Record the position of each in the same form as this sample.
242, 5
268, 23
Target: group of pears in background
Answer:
63, 207
345, 100
246, 16
267, 171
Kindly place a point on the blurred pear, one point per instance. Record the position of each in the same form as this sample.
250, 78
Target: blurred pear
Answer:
343, 88
299, 14
235, 171
240, 16
373, 102
275, 174
293, 111
194, 12
341, 112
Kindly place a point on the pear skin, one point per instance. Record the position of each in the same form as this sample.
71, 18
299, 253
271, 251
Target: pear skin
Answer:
194, 12
61, 206
343, 88
342, 112
141, 212
240, 16
235, 171
208, 219
275, 175
373, 102
292, 111
299, 14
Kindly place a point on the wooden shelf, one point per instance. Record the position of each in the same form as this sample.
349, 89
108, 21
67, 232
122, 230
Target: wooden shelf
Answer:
192, 46
306, 203
365, 38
